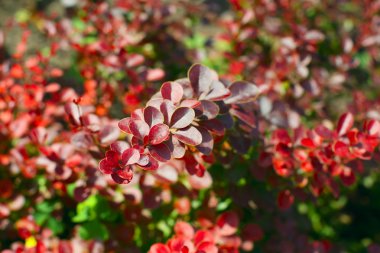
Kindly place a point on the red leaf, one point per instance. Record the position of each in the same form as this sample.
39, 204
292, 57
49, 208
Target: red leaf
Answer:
74, 113
341, 149
200, 183
307, 142
347, 176
209, 109
201, 78
138, 114
139, 128
122, 176
147, 162
81, 140
119, 146
167, 108
158, 133
372, 127
203, 236
346, 121
208, 247
130, 156
124, 125
242, 92
215, 126
159, 248
176, 147
252, 232
153, 116
324, 132
105, 166
217, 92
144, 160
182, 117
160, 152
285, 199
207, 142
227, 223
154, 74
108, 134
112, 157
190, 103
189, 135
172, 91
184, 230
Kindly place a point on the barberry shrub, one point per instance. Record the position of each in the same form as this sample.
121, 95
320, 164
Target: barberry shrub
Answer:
98, 153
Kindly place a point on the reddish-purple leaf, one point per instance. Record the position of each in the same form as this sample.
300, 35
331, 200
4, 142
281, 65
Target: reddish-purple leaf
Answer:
147, 162
167, 173
190, 103
119, 146
38, 135
112, 157
153, 116
247, 117
176, 147
124, 125
199, 183
347, 176
167, 108
158, 133
188, 91
92, 122
155, 101
138, 114
160, 152
81, 193
207, 142
217, 92
227, 223
209, 109
314, 36
182, 117
346, 121
108, 134
214, 125
139, 128
123, 176
144, 160
201, 78
324, 132
285, 199
172, 91
130, 156
372, 127
105, 166
82, 140
134, 60
73, 111
189, 135
242, 92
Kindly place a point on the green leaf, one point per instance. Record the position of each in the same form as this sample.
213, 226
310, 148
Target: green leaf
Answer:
46, 207
364, 59
40, 217
223, 205
93, 230
70, 189
93, 208
55, 225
